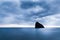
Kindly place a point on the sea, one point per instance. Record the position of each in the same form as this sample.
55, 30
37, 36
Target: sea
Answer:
29, 33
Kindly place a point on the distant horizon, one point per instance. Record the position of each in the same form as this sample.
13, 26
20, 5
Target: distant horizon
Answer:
24, 26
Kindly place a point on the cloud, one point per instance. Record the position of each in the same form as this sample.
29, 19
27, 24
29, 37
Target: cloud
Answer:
50, 21
28, 12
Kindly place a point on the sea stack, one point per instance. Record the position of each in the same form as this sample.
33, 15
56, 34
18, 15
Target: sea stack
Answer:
38, 25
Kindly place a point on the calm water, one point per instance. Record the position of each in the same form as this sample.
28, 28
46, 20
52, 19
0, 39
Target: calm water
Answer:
29, 34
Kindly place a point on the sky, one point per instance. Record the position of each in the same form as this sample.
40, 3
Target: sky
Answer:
24, 13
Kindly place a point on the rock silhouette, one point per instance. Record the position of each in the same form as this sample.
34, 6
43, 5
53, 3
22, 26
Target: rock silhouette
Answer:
38, 25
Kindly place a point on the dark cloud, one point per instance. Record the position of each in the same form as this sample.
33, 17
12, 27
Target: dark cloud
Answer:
27, 5
48, 10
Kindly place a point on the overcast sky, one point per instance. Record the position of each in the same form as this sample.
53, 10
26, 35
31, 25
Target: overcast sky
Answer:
27, 12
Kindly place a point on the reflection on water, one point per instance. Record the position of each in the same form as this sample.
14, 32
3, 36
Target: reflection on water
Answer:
29, 34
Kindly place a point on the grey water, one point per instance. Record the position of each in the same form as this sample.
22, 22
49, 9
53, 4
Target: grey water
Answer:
29, 34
